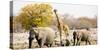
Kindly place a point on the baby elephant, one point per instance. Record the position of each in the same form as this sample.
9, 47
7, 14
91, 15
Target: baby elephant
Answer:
81, 35
43, 35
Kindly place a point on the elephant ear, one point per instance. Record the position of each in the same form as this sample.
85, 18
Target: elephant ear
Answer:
36, 30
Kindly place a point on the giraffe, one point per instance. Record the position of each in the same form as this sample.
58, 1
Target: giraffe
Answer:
61, 27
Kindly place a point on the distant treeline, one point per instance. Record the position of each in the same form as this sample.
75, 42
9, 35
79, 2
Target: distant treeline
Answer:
79, 23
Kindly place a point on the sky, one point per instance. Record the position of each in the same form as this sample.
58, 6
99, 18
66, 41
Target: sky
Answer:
74, 9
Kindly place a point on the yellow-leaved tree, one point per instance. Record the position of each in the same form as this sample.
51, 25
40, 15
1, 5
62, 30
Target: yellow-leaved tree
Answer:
39, 14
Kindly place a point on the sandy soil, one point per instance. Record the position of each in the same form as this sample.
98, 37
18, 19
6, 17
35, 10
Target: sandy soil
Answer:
20, 40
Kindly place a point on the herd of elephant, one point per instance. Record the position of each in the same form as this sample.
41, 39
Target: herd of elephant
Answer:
46, 36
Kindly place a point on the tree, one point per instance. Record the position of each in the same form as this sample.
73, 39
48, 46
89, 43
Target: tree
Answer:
87, 22
35, 15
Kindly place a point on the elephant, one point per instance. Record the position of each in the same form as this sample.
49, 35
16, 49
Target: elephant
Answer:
81, 35
43, 35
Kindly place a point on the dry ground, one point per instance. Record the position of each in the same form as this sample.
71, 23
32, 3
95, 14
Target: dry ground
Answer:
20, 40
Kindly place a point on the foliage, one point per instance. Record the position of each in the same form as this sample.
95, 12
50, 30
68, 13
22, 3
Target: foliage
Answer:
35, 14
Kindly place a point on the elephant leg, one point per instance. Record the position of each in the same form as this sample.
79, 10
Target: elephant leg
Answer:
40, 43
74, 42
78, 41
50, 45
30, 42
89, 42
86, 42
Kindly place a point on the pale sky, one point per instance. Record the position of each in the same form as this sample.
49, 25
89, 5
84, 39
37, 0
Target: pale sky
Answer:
75, 10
